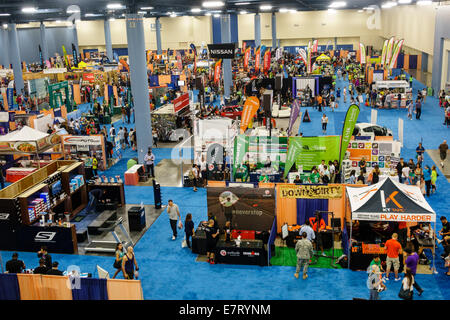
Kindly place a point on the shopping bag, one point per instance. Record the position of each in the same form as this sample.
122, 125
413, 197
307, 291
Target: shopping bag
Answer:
180, 225
184, 243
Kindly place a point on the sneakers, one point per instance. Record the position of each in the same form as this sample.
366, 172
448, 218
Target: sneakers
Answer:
296, 275
323, 254
173, 238
420, 293
305, 276
387, 279
397, 279
440, 241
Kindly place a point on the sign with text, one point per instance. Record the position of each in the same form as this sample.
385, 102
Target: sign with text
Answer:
222, 50
83, 140
181, 102
311, 191
403, 217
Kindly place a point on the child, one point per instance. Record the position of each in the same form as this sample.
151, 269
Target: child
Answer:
189, 229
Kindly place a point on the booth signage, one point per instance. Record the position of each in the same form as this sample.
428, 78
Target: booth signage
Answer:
83, 141
89, 77
181, 102
311, 191
222, 51
55, 70
347, 130
250, 107
403, 217
391, 84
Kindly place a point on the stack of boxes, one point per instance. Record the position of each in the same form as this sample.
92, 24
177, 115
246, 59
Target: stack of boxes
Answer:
76, 183
39, 206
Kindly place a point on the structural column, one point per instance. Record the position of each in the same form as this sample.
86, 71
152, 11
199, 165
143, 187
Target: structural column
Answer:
108, 42
139, 83
14, 55
441, 33
274, 31
44, 46
158, 36
75, 37
4, 45
226, 38
257, 30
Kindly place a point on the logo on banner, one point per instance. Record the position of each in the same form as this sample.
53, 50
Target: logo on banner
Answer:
223, 253
392, 197
4, 216
44, 236
310, 192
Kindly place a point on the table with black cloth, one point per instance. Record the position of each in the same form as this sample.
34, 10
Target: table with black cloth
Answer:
199, 241
250, 252
361, 261
254, 177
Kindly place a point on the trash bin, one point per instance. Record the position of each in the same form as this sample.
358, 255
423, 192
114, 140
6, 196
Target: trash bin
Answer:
136, 218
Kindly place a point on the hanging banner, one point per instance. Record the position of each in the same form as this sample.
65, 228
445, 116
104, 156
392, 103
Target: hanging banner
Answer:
250, 107
310, 191
74, 56
241, 144
246, 57
315, 45
257, 59
295, 111
347, 129
279, 53
66, 58
179, 62
383, 53
222, 50
303, 55
194, 49
41, 57
10, 96
362, 53
293, 149
308, 64
267, 58
5, 99
396, 53
389, 51
217, 71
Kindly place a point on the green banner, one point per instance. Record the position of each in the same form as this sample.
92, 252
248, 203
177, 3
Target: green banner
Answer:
241, 144
347, 129
310, 151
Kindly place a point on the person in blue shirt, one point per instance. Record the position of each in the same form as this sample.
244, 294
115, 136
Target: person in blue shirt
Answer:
427, 178
310, 235
420, 150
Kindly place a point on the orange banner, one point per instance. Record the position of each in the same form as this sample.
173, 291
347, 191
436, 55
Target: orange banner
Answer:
250, 107
267, 57
76, 93
246, 57
5, 101
257, 60
106, 93
217, 71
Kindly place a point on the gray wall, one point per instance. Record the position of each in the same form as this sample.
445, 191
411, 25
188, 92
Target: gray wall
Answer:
30, 39
442, 31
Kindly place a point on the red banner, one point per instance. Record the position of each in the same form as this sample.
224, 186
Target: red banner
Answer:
246, 57
250, 107
267, 58
217, 71
89, 77
257, 60
181, 102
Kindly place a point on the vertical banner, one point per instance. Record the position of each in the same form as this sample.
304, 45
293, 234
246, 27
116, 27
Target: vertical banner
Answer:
75, 56
76, 93
347, 129
303, 55
179, 62
373, 116
397, 49
250, 107
66, 58
41, 57
362, 52
315, 45
241, 144
389, 51
106, 93
194, 49
400, 130
10, 96
257, 59
295, 111
246, 57
294, 148
309, 67
5, 99
383, 53
267, 58
328, 44
217, 71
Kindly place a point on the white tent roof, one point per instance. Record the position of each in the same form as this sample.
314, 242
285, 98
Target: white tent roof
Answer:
389, 200
24, 134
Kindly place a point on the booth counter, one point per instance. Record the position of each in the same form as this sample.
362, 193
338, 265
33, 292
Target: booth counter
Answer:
249, 252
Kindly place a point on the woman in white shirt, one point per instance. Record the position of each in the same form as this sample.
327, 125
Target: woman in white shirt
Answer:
405, 174
408, 283
203, 171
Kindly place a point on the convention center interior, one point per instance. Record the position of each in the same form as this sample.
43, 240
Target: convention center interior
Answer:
224, 150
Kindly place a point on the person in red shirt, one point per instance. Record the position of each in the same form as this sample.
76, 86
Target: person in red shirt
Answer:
393, 250
322, 226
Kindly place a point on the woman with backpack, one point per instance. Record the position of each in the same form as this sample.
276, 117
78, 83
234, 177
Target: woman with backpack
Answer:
406, 290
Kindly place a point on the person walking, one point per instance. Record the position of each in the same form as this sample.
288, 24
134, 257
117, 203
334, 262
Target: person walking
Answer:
118, 259
427, 178
410, 107
418, 108
149, 161
304, 250
129, 264
411, 262
443, 148
374, 282
393, 249
434, 176
324, 123
406, 290
174, 213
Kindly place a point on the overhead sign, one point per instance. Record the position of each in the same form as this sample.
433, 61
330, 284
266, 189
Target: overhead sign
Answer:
394, 217
392, 84
181, 102
88, 77
311, 191
55, 70
83, 140
222, 50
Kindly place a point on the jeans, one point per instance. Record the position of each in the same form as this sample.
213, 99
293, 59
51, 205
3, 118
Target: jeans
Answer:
428, 187
418, 113
400, 179
150, 169
188, 236
304, 263
173, 225
374, 294
416, 285
91, 204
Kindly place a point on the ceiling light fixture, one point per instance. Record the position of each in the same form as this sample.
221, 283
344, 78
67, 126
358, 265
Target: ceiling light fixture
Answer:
173, 15
360, 11
5, 26
147, 8
72, 9
424, 2
29, 10
112, 19
243, 12
217, 15
242, 3
195, 10
265, 7
369, 8
115, 6
142, 12
5, 14
212, 4
388, 4
404, 1
283, 10
331, 10
208, 14
337, 4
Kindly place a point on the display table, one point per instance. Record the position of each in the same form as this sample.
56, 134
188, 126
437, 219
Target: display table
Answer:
114, 191
15, 174
132, 175
294, 236
199, 241
254, 177
360, 259
250, 252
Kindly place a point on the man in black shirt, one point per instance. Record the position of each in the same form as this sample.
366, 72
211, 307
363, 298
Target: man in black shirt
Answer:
54, 270
42, 269
95, 195
445, 232
399, 168
15, 265
211, 239
44, 255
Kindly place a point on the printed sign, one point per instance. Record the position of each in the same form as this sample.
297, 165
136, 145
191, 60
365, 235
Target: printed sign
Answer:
222, 51
311, 191
83, 140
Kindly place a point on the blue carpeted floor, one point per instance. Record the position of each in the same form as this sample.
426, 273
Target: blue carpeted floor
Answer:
168, 271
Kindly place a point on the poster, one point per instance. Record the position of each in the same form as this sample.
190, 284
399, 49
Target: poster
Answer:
311, 191
248, 208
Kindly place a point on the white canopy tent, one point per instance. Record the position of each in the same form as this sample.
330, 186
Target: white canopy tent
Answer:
390, 201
